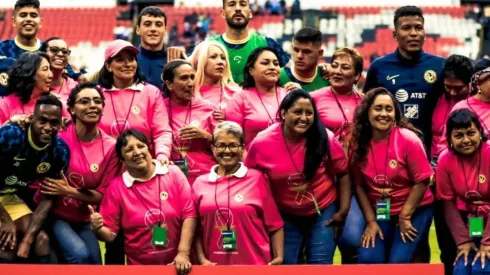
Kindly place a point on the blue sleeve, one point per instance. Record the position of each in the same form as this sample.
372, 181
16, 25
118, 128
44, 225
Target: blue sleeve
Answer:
72, 74
283, 56
371, 79
10, 135
62, 159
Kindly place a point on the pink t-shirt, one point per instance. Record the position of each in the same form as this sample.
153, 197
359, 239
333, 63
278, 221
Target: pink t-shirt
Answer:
480, 108
92, 166
198, 151
336, 118
63, 91
453, 183
268, 153
216, 97
136, 207
138, 107
11, 105
254, 110
405, 164
439, 119
251, 213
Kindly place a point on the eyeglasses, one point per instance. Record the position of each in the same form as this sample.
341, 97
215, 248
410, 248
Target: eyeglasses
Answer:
85, 101
232, 146
56, 50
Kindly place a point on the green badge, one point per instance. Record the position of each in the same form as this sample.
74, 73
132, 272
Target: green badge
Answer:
229, 239
383, 210
182, 164
159, 236
476, 226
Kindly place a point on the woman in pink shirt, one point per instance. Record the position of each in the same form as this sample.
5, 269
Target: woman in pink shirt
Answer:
233, 199
132, 103
304, 162
214, 81
29, 77
255, 107
336, 104
151, 204
392, 175
58, 52
463, 173
93, 163
191, 120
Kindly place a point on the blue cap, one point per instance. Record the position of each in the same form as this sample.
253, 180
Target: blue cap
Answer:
5, 63
482, 64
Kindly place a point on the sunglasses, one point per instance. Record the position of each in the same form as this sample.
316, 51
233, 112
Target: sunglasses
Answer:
56, 50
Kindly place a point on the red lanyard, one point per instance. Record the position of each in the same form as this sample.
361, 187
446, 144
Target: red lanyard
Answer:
217, 206
261, 101
386, 159
85, 156
477, 174
340, 105
127, 115
170, 118
138, 195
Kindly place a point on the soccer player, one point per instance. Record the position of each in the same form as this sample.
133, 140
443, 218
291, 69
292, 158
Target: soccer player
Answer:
304, 70
5, 64
152, 27
238, 39
409, 73
29, 155
27, 20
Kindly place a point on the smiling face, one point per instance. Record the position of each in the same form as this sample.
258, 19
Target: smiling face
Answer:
43, 76
299, 118
88, 106
152, 30
466, 140
382, 113
136, 155
46, 123
343, 74
266, 69
27, 21
123, 66
227, 150
215, 63
58, 53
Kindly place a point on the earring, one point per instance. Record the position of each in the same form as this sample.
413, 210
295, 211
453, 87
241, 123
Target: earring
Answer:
451, 146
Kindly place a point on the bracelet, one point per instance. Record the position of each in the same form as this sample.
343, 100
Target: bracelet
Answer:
403, 218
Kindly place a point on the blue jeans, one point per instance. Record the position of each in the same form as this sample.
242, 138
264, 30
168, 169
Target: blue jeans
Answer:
350, 241
77, 242
461, 269
392, 249
309, 232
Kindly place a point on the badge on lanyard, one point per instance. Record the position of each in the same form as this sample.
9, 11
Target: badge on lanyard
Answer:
229, 239
182, 164
383, 209
476, 227
159, 236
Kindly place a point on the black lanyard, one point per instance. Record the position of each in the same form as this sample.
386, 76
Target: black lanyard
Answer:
138, 195
261, 101
386, 158
114, 110
477, 174
85, 156
170, 118
217, 206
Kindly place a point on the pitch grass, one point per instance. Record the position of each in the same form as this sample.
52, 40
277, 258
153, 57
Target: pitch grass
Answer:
434, 248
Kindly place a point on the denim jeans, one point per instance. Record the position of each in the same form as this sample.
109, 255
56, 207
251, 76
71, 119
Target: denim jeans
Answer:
77, 242
392, 249
461, 269
350, 241
309, 232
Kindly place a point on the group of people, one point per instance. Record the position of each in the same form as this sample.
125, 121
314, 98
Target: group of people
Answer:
239, 154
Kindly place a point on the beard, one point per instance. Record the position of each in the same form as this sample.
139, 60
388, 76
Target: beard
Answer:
234, 25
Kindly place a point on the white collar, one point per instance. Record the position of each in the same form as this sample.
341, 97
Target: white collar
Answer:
135, 87
159, 170
240, 173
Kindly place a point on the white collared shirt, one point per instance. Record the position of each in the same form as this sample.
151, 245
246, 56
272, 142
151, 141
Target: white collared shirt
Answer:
159, 170
240, 173
135, 87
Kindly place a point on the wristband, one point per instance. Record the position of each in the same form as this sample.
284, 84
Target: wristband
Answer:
403, 218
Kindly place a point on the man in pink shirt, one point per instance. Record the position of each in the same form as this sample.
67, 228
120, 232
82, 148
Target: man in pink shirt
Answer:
151, 204
132, 103
241, 204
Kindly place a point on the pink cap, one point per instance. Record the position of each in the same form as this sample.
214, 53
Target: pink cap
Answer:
117, 46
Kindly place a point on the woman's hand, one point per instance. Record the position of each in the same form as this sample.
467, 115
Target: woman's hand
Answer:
191, 132
21, 120
337, 221
482, 254
96, 220
369, 236
219, 115
182, 263
407, 231
325, 70
290, 86
206, 262
56, 187
464, 250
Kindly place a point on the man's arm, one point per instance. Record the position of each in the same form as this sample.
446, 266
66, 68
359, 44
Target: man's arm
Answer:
284, 57
37, 220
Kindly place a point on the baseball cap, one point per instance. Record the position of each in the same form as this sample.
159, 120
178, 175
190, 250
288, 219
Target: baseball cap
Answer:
117, 46
5, 63
482, 64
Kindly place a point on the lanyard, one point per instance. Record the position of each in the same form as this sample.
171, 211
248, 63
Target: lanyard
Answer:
217, 206
261, 101
481, 121
221, 97
340, 105
386, 160
477, 174
127, 115
138, 195
85, 156
170, 118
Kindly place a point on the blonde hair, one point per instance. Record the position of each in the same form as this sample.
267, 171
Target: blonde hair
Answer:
199, 59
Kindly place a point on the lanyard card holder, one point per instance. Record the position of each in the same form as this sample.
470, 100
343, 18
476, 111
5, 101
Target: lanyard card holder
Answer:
159, 237
182, 164
229, 239
476, 227
383, 208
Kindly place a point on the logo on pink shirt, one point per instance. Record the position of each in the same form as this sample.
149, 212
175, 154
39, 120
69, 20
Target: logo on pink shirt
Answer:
222, 218
152, 218
76, 180
299, 185
119, 126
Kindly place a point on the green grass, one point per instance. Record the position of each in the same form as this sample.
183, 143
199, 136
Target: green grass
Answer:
434, 248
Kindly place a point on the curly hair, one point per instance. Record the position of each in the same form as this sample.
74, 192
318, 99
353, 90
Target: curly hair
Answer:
22, 75
362, 131
72, 98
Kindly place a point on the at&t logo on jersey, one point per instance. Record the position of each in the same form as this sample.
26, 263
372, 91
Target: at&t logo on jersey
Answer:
401, 95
